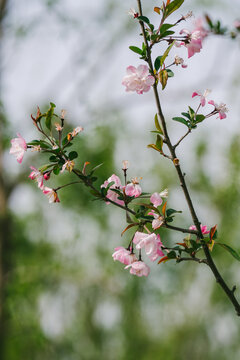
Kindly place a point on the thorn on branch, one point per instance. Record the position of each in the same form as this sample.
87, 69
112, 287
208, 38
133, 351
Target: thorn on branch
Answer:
234, 289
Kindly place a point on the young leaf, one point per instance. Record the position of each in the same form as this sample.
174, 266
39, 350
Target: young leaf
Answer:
158, 127
144, 19
165, 27
154, 147
136, 49
173, 6
191, 113
49, 115
157, 63
56, 170
159, 143
163, 58
199, 118
181, 120
169, 212
73, 155
230, 250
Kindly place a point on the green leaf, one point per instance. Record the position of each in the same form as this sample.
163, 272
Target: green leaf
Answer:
144, 19
159, 142
49, 115
95, 168
186, 115
191, 113
170, 73
158, 127
53, 158
73, 155
230, 250
165, 27
56, 170
171, 255
173, 6
181, 120
167, 33
157, 63
136, 49
163, 77
163, 58
169, 212
199, 118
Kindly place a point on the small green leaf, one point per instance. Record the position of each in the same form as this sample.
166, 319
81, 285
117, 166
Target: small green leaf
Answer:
136, 49
157, 63
53, 158
56, 170
199, 118
171, 255
163, 58
158, 127
191, 113
181, 120
173, 6
144, 19
165, 27
169, 212
230, 250
186, 115
49, 115
159, 142
167, 33
73, 155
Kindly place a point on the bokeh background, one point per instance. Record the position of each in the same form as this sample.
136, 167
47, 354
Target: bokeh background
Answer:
62, 296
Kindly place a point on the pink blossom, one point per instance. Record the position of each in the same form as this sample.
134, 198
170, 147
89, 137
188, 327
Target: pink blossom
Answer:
150, 242
203, 229
138, 79
138, 268
36, 175
199, 26
194, 41
202, 96
221, 109
156, 198
157, 221
117, 185
124, 256
19, 146
51, 194
133, 188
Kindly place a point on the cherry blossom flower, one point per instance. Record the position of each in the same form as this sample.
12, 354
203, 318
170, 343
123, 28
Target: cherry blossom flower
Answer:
157, 221
51, 194
179, 61
69, 165
236, 24
138, 268
193, 43
156, 198
203, 229
138, 79
133, 188
37, 175
63, 113
199, 26
150, 242
202, 96
221, 109
124, 256
47, 175
19, 146
117, 185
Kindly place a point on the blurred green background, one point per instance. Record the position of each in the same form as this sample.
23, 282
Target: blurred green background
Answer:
62, 296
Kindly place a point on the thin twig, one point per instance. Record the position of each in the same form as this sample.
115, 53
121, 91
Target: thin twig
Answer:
181, 139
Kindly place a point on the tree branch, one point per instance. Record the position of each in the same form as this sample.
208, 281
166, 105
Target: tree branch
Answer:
183, 185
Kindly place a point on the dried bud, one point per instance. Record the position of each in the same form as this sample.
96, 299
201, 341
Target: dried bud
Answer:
176, 161
58, 127
36, 148
63, 113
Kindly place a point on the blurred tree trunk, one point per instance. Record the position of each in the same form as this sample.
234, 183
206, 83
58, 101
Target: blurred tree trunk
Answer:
4, 216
